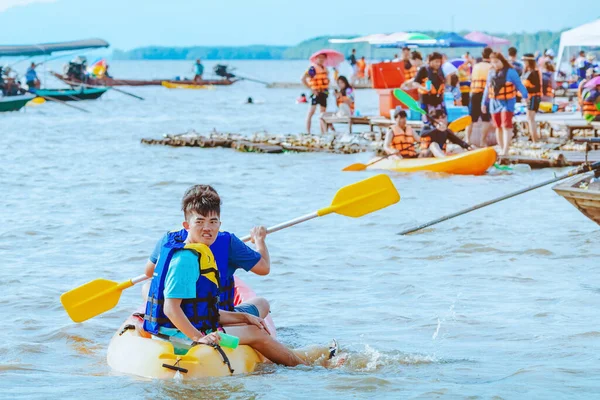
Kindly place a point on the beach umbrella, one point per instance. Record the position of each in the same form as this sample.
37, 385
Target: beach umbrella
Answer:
410, 39
593, 82
457, 62
454, 40
487, 39
334, 58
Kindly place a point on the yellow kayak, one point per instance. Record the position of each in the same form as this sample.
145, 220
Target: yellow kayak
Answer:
474, 162
172, 85
133, 351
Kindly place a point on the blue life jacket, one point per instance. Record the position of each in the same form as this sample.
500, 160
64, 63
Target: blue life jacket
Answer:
220, 249
202, 311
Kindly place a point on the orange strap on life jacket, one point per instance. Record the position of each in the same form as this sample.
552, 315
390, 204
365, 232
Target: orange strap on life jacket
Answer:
589, 109
507, 92
320, 82
404, 142
532, 89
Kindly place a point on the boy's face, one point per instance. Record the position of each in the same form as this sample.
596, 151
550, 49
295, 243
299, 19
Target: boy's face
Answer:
202, 228
435, 64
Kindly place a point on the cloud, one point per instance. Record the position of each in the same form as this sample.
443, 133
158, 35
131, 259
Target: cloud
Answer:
6, 4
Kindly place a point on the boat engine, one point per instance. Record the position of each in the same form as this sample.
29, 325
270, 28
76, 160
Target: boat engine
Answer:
222, 71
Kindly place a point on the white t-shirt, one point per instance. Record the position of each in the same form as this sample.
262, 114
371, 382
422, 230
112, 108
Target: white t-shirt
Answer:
448, 68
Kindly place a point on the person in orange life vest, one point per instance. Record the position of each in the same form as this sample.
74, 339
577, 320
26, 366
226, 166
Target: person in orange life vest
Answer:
532, 81
580, 89
548, 82
416, 62
500, 96
435, 135
464, 80
362, 66
344, 97
316, 78
239, 256
479, 76
430, 81
400, 139
591, 103
181, 283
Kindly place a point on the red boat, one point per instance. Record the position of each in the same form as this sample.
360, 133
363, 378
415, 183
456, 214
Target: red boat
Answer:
106, 81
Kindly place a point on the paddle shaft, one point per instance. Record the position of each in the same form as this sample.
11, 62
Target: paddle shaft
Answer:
64, 103
254, 80
295, 221
102, 87
580, 170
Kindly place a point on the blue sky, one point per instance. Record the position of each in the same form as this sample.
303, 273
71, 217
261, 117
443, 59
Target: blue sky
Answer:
133, 23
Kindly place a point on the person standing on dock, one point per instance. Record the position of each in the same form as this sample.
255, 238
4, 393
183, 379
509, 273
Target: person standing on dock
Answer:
533, 82
500, 96
352, 61
198, 71
316, 78
478, 84
430, 82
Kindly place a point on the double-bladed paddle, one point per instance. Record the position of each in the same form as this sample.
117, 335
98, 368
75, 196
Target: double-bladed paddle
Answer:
355, 200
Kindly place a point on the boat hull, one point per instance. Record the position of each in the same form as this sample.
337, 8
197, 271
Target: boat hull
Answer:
136, 82
72, 94
132, 351
14, 103
582, 194
475, 162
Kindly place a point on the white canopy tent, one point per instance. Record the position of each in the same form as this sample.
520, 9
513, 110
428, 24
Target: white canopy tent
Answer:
360, 39
584, 35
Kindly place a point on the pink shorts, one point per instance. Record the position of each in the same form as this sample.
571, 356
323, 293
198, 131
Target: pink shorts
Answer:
503, 119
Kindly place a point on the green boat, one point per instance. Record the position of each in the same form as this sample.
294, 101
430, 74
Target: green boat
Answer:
14, 103
71, 94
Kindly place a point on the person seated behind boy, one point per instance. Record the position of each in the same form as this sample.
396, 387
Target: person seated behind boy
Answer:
434, 137
183, 300
400, 139
455, 90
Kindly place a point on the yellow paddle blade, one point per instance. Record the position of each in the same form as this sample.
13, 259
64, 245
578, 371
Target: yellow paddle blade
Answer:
93, 298
363, 197
355, 167
460, 124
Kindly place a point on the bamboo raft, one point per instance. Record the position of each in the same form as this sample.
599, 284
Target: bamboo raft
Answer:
264, 142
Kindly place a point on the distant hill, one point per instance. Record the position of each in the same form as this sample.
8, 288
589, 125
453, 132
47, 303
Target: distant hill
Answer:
524, 42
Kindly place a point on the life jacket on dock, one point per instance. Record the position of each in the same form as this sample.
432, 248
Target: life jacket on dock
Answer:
404, 141
319, 81
202, 311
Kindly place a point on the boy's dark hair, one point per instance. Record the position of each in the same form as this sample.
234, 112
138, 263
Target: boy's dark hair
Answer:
512, 51
399, 113
453, 80
415, 55
406, 48
201, 199
486, 53
435, 56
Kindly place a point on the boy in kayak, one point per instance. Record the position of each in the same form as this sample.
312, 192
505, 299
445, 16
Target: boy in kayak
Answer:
435, 135
237, 256
184, 294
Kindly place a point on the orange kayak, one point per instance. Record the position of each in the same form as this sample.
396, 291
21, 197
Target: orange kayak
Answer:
474, 162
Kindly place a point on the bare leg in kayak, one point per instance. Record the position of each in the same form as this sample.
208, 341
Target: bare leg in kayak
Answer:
273, 350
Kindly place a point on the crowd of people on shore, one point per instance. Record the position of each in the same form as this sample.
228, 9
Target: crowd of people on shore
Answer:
491, 86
